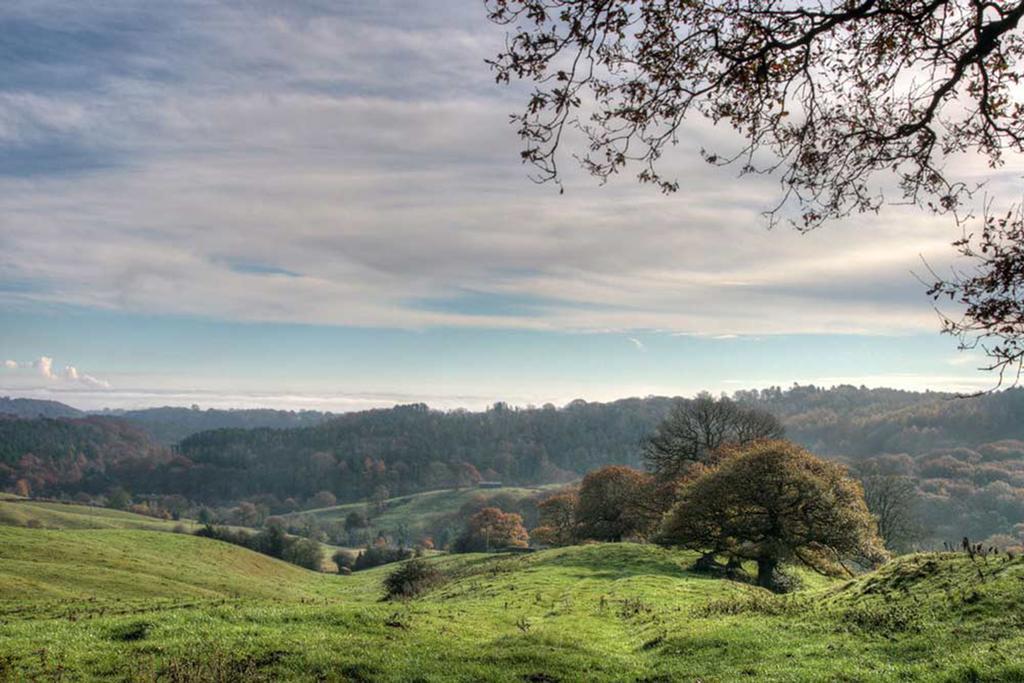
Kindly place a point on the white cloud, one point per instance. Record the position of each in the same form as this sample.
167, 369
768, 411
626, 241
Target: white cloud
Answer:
70, 376
44, 365
364, 147
637, 343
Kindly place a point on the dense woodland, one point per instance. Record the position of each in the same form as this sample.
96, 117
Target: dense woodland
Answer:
964, 455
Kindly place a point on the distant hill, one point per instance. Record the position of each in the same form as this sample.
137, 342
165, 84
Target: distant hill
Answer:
91, 454
30, 407
169, 425
966, 454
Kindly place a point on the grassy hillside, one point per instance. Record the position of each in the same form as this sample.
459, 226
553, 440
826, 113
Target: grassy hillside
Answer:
21, 512
42, 566
48, 515
421, 512
180, 608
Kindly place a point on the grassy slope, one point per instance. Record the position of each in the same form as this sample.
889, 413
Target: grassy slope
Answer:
22, 512
419, 511
42, 566
601, 612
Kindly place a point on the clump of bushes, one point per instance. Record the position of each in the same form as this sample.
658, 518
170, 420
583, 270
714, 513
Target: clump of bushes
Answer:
345, 560
411, 578
272, 541
376, 555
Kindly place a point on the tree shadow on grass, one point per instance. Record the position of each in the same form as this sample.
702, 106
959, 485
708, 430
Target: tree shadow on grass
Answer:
620, 561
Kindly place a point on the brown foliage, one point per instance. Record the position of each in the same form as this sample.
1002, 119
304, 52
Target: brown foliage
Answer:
615, 503
558, 523
989, 294
492, 529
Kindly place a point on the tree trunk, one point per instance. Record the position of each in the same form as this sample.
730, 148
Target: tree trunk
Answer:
706, 563
766, 568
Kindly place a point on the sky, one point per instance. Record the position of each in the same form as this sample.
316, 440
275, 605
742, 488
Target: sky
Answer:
320, 204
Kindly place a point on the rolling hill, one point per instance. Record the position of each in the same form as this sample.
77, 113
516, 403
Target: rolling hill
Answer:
52, 515
422, 513
30, 408
139, 605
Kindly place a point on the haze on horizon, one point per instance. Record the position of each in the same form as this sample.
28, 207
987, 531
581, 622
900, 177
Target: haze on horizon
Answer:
320, 205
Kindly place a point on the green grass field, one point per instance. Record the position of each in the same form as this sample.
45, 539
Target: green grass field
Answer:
20, 512
49, 515
419, 512
133, 605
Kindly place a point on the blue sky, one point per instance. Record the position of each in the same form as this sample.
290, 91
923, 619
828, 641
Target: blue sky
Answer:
320, 204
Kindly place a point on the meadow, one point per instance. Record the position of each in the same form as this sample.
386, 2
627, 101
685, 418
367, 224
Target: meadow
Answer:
140, 605
419, 513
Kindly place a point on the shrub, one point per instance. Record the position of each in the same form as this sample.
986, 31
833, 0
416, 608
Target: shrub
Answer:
378, 555
304, 552
411, 578
344, 559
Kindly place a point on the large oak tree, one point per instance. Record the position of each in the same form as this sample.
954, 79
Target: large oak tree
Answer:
774, 503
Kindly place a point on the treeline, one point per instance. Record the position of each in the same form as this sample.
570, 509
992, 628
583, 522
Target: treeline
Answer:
70, 455
965, 456
169, 425
411, 448
856, 423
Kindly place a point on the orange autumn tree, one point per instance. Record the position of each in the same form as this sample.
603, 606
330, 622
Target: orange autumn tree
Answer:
491, 529
775, 503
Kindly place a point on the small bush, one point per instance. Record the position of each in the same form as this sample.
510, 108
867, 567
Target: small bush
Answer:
344, 559
304, 552
411, 579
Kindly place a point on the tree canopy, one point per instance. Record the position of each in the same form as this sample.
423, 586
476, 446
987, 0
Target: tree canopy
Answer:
772, 503
492, 529
614, 504
557, 518
697, 428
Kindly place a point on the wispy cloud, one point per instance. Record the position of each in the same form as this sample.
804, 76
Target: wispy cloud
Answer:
637, 343
342, 163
